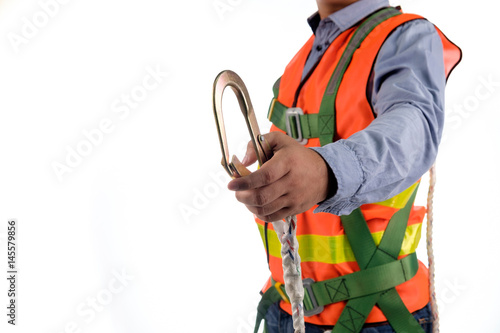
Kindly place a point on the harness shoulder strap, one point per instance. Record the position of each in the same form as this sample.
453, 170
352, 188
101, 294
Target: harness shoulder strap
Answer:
322, 125
326, 121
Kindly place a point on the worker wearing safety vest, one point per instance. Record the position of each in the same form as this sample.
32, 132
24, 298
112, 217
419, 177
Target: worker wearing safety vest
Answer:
362, 103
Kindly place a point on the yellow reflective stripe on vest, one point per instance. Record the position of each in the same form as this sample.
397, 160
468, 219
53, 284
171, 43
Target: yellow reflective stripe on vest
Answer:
399, 201
336, 249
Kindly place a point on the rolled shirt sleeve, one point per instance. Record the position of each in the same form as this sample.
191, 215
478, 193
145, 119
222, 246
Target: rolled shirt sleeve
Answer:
400, 145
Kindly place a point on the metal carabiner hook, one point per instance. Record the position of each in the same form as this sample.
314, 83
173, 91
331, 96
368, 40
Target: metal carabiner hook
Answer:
229, 78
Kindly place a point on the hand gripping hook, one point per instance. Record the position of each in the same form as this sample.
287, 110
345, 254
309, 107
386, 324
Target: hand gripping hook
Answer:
235, 168
291, 262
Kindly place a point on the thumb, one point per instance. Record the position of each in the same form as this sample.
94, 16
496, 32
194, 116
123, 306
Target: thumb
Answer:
269, 143
274, 141
250, 155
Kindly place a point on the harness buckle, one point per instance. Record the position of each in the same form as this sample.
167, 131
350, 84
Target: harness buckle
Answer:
311, 306
279, 287
271, 109
295, 113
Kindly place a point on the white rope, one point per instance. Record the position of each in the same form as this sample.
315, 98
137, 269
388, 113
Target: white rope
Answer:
292, 273
430, 252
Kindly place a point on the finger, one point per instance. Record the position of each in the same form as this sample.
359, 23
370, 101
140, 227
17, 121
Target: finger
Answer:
263, 196
268, 143
276, 216
264, 145
264, 212
275, 140
269, 173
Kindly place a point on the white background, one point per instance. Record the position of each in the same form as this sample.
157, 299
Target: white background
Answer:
148, 200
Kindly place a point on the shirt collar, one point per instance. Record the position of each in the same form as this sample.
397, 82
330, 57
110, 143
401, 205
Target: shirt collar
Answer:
350, 15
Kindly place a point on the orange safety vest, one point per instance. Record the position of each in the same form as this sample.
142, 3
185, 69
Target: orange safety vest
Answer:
323, 247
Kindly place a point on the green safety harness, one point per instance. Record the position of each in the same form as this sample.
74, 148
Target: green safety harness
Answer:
380, 270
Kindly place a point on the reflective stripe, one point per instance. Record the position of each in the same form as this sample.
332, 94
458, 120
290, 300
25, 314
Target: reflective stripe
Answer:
399, 201
336, 249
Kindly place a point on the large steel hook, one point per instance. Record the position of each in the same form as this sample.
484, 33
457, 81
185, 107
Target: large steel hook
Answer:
234, 167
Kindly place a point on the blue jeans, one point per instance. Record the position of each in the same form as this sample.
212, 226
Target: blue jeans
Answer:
278, 321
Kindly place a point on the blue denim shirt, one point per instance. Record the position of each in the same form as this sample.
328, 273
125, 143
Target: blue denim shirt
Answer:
406, 90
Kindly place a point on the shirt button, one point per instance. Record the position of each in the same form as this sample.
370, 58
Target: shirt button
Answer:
319, 48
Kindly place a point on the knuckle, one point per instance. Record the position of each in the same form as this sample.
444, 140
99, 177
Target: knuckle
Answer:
238, 196
260, 211
268, 176
292, 159
252, 210
266, 218
293, 181
260, 199
264, 213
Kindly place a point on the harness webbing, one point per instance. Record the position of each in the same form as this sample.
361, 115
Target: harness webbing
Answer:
380, 269
357, 284
368, 255
322, 124
326, 119
380, 272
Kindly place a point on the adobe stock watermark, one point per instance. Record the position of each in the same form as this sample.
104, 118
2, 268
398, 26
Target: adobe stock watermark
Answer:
222, 7
246, 325
31, 26
122, 107
203, 195
458, 113
89, 309
449, 294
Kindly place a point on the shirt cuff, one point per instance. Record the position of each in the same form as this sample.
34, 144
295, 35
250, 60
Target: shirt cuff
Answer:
346, 167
